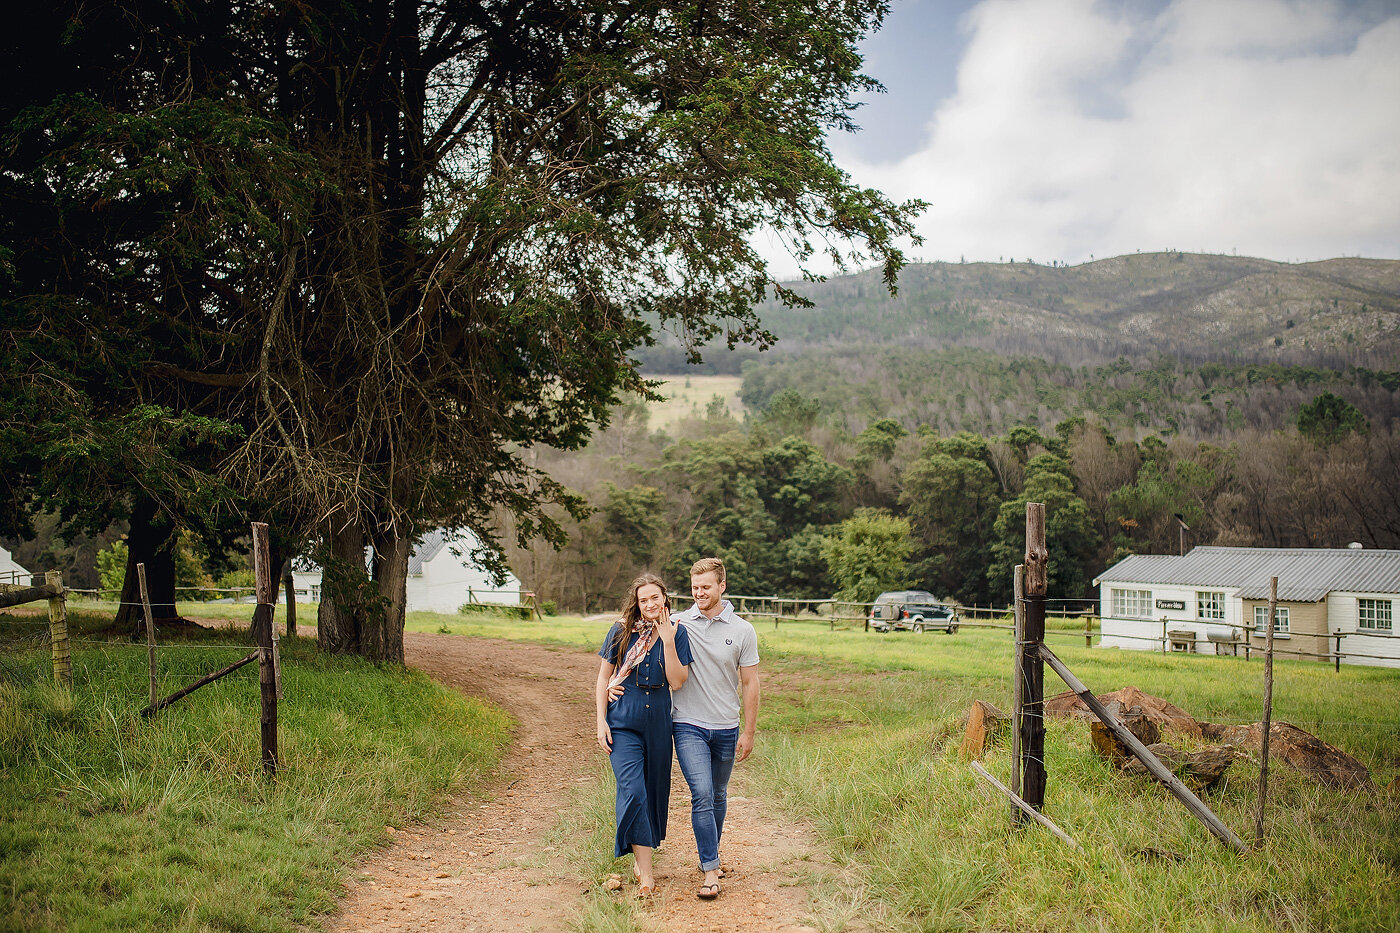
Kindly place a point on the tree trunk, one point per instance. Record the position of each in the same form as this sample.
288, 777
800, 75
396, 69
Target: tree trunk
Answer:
383, 636
149, 542
344, 588
363, 614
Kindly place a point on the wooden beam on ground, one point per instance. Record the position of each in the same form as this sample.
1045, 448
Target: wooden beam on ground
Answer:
1149, 760
1026, 808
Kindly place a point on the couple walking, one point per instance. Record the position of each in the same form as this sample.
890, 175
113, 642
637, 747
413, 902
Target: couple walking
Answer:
676, 680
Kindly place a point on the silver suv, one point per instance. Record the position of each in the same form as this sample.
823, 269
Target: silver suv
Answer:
911, 610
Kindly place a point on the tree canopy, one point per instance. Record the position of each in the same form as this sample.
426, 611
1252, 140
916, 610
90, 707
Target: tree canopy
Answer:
375, 251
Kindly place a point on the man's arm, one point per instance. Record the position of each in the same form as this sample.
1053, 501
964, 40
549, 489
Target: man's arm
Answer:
748, 687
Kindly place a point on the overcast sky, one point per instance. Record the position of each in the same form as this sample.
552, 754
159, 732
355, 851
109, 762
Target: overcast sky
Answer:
1065, 129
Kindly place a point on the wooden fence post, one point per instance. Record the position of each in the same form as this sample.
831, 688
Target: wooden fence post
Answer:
266, 591
1264, 724
1032, 666
150, 631
1017, 692
58, 630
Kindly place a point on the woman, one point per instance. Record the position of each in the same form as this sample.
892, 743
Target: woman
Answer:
645, 656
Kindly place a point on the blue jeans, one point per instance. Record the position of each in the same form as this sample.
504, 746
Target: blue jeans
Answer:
706, 757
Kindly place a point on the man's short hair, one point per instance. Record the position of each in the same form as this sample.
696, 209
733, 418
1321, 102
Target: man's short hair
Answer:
708, 565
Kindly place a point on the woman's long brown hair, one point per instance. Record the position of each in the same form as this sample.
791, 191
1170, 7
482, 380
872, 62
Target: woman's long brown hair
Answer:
632, 612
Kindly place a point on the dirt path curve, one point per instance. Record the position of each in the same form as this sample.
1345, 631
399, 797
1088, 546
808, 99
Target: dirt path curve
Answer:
485, 865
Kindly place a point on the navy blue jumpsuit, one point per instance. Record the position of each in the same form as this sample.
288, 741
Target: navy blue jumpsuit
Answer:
640, 721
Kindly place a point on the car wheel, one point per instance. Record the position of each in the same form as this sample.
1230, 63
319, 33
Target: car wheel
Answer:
952, 630
918, 628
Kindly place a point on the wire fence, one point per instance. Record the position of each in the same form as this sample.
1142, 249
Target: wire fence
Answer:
26, 659
1073, 620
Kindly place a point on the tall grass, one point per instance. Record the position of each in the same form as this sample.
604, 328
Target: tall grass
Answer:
111, 822
873, 764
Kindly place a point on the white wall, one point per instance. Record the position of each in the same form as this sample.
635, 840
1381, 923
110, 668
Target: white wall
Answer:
11, 572
449, 581
1146, 634
1342, 617
444, 585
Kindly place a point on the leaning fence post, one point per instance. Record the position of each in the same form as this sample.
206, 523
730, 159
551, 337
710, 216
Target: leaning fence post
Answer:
1032, 667
1143, 753
1264, 724
150, 630
58, 630
266, 591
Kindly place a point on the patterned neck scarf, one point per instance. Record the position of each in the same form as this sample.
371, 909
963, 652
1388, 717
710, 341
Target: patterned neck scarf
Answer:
648, 635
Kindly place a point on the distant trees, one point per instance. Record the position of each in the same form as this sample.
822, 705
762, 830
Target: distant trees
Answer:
792, 514
1328, 418
868, 554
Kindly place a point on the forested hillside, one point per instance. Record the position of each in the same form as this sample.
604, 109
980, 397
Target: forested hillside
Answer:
1258, 402
1336, 313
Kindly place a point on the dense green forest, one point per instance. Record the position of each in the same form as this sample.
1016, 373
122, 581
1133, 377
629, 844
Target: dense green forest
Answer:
771, 494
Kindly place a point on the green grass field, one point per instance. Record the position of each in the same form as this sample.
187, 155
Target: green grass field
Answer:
688, 396
858, 736
109, 822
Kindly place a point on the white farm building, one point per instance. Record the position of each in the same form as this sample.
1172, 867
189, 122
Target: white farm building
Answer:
441, 576
1214, 599
11, 572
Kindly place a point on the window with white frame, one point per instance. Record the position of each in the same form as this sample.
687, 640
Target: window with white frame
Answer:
1373, 615
1130, 604
1210, 605
1261, 615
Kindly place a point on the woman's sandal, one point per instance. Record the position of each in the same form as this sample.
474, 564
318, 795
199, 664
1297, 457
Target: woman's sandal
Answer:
646, 890
708, 892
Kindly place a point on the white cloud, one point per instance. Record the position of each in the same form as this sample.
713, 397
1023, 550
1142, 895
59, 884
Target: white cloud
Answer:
1266, 126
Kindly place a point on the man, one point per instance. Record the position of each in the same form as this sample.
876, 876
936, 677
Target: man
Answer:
706, 710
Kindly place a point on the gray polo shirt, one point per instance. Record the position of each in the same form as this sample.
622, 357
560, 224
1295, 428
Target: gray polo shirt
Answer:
719, 647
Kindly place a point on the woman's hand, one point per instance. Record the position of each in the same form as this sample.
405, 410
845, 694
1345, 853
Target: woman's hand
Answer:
615, 692
666, 627
605, 737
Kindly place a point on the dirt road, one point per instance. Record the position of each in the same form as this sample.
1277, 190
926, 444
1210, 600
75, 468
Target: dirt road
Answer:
486, 864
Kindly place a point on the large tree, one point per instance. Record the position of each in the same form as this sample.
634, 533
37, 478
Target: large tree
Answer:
436, 232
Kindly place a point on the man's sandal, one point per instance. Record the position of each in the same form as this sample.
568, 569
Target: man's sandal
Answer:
708, 892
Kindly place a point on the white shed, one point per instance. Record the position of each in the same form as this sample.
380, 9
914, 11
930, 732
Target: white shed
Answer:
11, 572
1213, 596
441, 576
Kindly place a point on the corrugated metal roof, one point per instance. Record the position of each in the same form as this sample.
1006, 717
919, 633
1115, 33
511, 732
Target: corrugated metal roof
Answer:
1305, 575
426, 549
